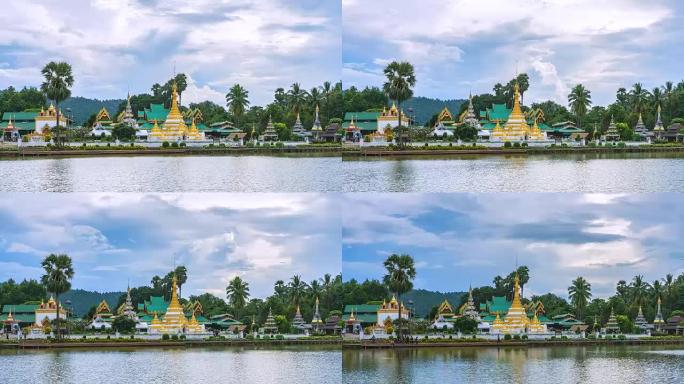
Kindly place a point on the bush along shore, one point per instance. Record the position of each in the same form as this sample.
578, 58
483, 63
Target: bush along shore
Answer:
166, 149
514, 342
515, 148
168, 341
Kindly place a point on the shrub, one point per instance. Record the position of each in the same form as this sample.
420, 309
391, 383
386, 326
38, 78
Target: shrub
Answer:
564, 337
524, 337
182, 337
516, 337
280, 337
174, 145
516, 145
165, 144
507, 337
174, 337
183, 145
524, 145
165, 337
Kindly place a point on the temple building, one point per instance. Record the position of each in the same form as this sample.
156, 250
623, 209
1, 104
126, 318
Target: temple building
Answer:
641, 130
270, 134
612, 325
298, 128
658, 321
352, 132
640, 320
444, 317
298, 322
391, 310
366, 314
174, 127
658, 128
316, 129
270, 326
469, 310
516, 127
48, 310
612, 134
374, 123
32, 124
316, 321
102, 318
174, 320
516, 320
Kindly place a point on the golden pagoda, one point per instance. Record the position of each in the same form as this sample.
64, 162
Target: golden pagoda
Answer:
193, 326
516, 127
174, 128
516, 320
193, 132
156, 131
155, 326
174, 320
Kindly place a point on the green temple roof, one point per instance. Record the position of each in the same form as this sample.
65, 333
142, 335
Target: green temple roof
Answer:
19, 116
361, 308
363, 125
362, 116
19, 308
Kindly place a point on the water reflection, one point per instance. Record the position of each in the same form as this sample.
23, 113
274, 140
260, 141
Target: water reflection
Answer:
516, 365
516, 173
173, 174
193, 365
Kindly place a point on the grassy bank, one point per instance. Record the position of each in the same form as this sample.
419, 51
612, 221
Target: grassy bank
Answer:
515, 343
186, 151
139, 343
479, 150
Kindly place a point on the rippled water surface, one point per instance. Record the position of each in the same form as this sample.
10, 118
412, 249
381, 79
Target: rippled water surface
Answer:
172, 174
151, 366
534, 173
605, 365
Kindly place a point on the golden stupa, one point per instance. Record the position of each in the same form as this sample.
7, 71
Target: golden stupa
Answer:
174, 320
516, 320
174, 128
516, 127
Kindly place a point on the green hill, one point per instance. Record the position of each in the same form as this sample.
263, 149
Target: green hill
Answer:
82, 108
424, 107
425, 300
82, 301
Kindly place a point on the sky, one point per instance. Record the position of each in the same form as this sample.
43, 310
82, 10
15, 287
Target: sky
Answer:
463, 45
461, 239
117, 45
117, 238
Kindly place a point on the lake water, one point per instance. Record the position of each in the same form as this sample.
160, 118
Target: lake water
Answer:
315, 365
466, 173
172, 174
533, 173
605, 365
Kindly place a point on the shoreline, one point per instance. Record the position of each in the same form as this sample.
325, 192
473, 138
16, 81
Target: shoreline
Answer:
512, 343
375, 152
46, 153
165, 344
328, 151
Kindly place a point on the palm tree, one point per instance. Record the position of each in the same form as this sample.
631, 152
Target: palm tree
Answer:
58, 273
297, 97
668, 93
315, 97
523, 81
327, 288
181, 278
181, 85
524, 276
399, 279
580, 294
579, 100
237, 292
237, 102
400, 81
639, 97
58, 80
639, 290
297, 288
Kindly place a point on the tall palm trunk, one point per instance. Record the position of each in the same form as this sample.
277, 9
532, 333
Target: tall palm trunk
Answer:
57, 318
401, 140
57, 134
399, 318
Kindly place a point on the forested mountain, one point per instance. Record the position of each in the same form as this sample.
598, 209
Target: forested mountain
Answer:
82, 108
424, 300
82, 301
